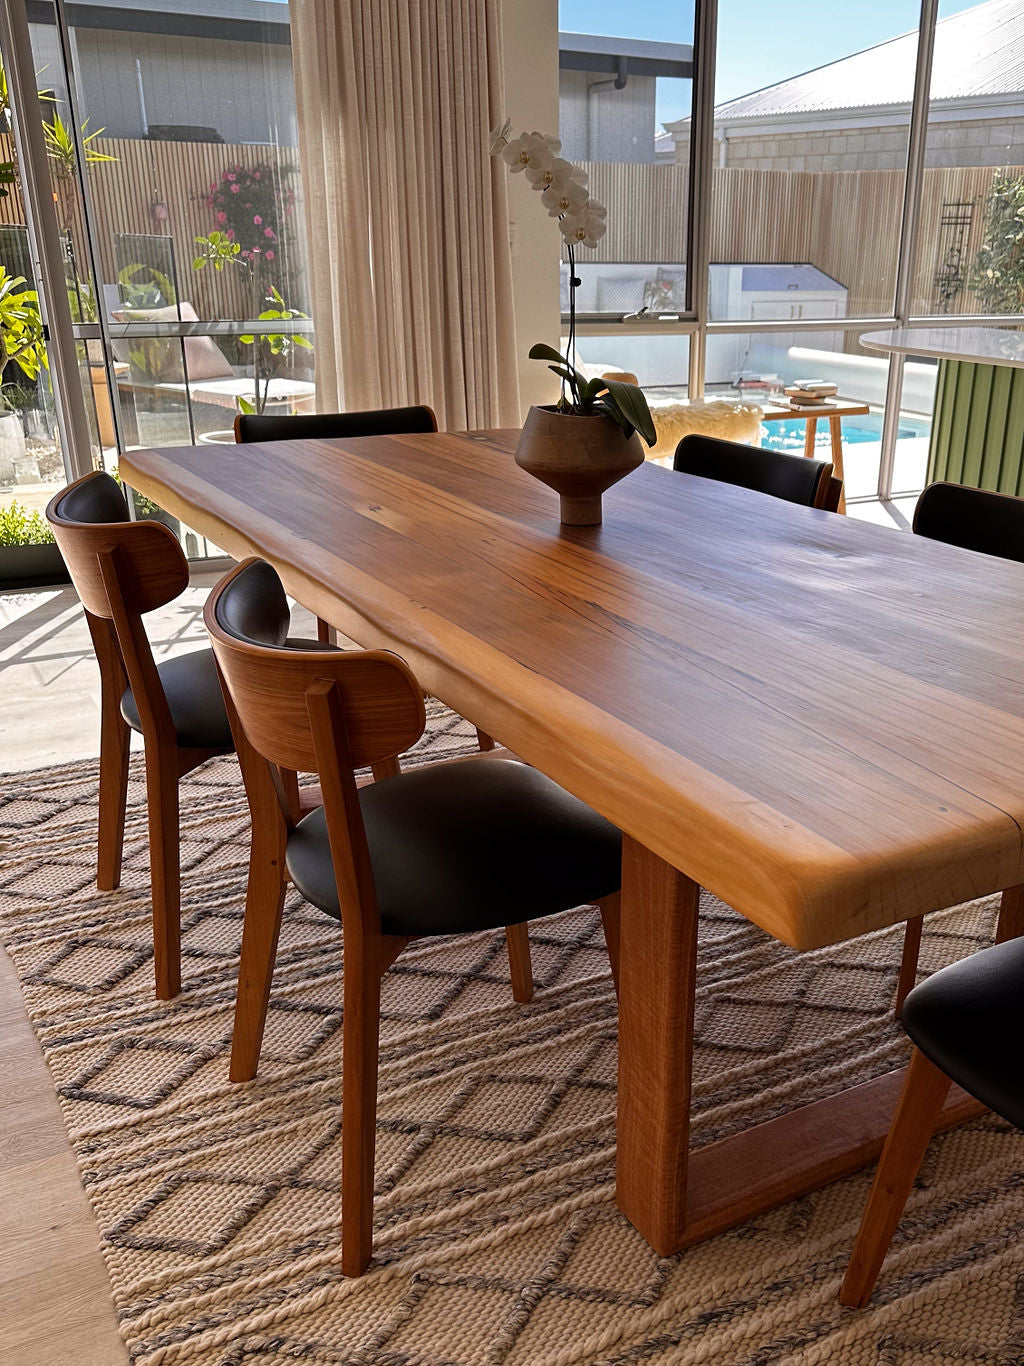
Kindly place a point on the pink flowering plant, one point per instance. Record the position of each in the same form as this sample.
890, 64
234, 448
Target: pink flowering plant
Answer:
562, 188
251, 208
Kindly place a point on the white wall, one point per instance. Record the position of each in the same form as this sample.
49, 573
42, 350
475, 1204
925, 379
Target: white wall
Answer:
530, 36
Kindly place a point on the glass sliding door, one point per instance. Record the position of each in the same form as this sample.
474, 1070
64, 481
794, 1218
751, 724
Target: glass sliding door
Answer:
49, 430
172, 151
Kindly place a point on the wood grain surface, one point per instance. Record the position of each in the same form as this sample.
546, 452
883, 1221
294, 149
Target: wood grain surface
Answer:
820, 720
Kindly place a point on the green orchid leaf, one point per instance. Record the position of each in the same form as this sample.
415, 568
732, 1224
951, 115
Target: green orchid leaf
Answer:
541, 351
630, 403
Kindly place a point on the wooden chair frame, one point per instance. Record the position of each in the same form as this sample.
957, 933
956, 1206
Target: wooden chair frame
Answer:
310, 718
121, 571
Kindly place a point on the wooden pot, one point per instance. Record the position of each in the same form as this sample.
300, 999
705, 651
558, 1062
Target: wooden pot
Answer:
579, 456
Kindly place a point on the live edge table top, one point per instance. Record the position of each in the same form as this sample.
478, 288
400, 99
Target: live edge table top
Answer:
820, 720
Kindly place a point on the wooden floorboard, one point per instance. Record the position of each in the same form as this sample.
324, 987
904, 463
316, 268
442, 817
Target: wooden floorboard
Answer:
55, 1303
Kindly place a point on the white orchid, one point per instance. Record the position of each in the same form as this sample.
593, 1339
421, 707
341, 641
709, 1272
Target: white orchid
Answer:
499, 137
581, 221
568, 197
530, 151
585, 228
557, 172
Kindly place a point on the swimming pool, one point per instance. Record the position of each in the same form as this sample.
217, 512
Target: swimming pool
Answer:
789, 435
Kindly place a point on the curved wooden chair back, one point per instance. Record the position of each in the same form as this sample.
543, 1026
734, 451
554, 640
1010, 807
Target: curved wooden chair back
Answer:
311, 426
377, 705
793, 478
974, 519
120, 569
145, 565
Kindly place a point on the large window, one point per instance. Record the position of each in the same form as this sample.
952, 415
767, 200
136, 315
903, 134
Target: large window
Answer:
171, 142
836, 192
623, 78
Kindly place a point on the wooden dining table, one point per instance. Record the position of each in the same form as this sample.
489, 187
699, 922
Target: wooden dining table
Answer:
818, 719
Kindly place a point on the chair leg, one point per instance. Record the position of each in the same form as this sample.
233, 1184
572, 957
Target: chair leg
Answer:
908, 963
264, 902
162, 799
115, 746
1010, 924
609, 907
387, 768
484, 741
924, 1091
361, 1028
517, 937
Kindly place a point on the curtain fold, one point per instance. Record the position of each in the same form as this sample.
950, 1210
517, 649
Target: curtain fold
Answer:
406, 213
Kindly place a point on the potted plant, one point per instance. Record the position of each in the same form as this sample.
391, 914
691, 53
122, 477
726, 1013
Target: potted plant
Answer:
21, 342
588, 440
28, 552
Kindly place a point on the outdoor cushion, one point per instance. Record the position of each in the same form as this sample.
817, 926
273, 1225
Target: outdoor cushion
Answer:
468, 845
159, 358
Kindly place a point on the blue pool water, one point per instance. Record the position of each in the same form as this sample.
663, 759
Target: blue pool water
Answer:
789, 435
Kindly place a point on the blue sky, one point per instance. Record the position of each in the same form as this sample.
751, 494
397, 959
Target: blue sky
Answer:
759, 41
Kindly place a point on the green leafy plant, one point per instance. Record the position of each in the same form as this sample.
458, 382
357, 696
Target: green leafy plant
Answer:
143, 286
60, 145
18, 526
623, 403
21, 327
996, 276
271, 350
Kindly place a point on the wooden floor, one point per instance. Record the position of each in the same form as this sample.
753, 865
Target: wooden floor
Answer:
55, 1303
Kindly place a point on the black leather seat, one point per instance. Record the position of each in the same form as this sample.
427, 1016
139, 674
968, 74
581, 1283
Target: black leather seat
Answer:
793, 478
192, 689
467, 846
976, 519
966, 1023
969, 1020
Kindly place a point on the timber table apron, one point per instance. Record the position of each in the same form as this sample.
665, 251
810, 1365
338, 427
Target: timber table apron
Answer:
820, 720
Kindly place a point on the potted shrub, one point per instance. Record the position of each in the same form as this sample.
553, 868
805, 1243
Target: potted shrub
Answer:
21, 341
28, 553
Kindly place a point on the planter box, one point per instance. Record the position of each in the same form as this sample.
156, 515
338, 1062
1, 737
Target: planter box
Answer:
25, 566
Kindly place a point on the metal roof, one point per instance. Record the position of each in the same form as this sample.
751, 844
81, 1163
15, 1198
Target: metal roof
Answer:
978, 52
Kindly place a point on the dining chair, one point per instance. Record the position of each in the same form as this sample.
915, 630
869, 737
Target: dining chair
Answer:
793, 478
122, 570
322, 426
451, 848
966, 1023
992, 524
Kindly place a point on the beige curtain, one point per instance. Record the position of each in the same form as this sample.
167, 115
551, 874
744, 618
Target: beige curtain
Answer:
406, 212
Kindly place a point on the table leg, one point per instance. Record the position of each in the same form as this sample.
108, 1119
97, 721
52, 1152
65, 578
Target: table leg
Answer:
673, 1197
836, 433
657, 980
810, 430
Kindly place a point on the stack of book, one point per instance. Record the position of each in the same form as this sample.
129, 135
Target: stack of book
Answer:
807, 393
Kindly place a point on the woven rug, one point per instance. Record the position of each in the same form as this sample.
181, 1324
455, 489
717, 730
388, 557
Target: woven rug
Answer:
497, 1239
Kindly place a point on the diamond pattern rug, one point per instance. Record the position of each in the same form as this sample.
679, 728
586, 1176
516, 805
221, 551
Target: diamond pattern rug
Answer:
497, 1238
